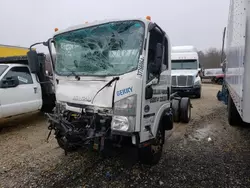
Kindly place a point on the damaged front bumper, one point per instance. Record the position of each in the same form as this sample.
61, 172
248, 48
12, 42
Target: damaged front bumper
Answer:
73, 137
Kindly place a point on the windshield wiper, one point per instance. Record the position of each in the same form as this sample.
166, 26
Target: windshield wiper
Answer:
77, 77
106, 85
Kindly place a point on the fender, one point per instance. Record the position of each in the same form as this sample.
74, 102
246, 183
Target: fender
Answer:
166, 120
159, 115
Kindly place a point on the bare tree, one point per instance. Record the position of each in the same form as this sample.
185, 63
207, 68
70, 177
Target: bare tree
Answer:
211, 58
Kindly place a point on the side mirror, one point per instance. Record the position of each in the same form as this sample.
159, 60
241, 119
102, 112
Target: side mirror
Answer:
9, 82
33, 61
148, 92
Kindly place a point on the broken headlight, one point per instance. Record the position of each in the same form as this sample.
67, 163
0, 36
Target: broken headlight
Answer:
123, 123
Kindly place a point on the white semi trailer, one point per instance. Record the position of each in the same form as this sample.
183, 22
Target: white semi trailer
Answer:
236, 89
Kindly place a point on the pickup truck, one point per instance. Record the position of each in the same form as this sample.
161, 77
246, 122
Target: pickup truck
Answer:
215, 75
21, 91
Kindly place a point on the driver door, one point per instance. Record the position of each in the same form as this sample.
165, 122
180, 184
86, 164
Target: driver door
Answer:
23, 98
161, 86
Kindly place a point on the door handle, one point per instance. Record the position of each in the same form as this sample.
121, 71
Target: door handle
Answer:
35, 89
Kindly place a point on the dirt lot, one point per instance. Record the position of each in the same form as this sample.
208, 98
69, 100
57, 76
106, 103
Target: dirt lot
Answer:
205, 153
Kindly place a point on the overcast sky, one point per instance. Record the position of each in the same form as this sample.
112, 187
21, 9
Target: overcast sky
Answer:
187, 22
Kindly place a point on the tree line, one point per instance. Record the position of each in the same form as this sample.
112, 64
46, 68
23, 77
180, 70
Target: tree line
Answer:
210, 58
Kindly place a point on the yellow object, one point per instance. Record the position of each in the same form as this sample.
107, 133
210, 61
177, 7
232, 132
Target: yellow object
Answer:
8, 51
56, 29
148, 17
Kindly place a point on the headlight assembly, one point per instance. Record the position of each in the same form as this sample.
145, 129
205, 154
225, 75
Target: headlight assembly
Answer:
123, 123
124, 114
126, 106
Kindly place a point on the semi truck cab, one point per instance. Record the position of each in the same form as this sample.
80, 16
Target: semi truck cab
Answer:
186, 71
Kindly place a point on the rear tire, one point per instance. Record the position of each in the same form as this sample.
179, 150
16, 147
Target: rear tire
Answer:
234, 118
185, 109
151, 155
176, 110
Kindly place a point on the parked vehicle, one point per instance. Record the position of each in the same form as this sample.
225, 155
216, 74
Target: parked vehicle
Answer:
186, 71
21, 91
235, 89
216, 75
113, 87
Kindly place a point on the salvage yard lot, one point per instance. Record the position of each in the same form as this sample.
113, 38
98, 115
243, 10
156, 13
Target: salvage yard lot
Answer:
207, 152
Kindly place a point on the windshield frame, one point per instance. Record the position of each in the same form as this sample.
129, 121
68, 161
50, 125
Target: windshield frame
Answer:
97, 25
183, 61
6, 67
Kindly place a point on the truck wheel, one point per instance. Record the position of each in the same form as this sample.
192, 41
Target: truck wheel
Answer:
185, 109
234, 118
47, 108
63, 144
151, 154
176, 110
198, 95
220, 81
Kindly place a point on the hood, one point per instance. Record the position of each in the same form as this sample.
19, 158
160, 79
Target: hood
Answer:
185, 72
84, 92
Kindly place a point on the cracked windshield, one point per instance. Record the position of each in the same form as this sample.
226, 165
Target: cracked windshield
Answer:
103, 50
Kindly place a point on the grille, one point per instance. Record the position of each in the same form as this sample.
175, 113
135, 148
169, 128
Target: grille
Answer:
190, 81
184, 81
174, 83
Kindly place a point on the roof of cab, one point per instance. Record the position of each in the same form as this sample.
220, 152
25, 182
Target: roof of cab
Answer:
183, 49
97, 22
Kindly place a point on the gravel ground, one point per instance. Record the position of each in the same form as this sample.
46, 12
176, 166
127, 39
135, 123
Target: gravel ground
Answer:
207, 152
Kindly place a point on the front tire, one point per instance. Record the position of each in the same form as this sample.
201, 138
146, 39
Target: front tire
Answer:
151, 154
64, 145
198, 95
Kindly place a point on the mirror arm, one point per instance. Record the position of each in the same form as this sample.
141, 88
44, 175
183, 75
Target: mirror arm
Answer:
35, 44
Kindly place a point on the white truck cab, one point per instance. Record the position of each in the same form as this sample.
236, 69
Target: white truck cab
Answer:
186, 78
20, 90
113, 87
20, 93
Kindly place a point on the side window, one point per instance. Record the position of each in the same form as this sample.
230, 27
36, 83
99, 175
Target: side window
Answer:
22, 73
155, 37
